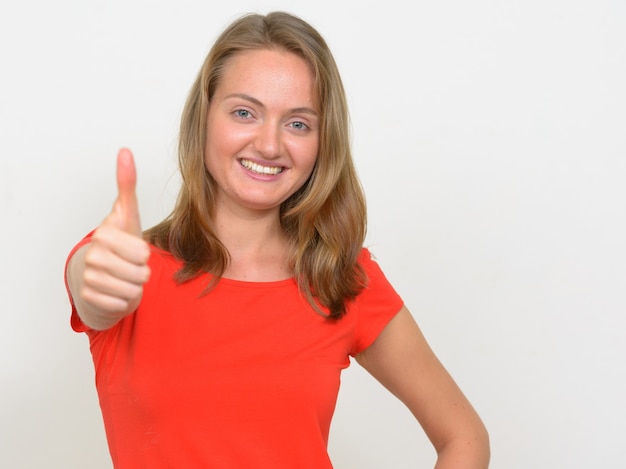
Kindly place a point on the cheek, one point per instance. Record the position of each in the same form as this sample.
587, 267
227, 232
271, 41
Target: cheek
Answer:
312, 157
222, 142
304, 153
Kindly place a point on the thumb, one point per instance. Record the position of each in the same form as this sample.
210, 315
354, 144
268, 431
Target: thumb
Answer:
126, 207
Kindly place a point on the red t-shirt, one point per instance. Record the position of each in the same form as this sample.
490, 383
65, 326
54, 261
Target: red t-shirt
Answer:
246, 376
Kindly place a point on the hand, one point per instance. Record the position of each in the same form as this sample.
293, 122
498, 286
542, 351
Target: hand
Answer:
116, 260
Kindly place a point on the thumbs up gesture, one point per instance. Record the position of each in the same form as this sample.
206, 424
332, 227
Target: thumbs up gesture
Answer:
106, 276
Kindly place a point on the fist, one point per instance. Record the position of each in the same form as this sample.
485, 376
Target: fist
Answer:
116, 260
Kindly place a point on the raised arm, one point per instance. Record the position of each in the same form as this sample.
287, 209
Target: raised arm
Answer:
404, 363
106, 276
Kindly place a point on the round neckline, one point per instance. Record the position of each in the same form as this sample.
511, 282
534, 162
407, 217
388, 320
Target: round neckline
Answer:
235, 282
252, 283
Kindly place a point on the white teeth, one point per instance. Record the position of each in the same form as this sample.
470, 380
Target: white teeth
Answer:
257, 168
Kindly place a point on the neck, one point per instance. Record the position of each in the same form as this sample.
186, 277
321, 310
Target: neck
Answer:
256, 244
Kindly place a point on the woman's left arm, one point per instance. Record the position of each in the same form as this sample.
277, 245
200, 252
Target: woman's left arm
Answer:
404, 363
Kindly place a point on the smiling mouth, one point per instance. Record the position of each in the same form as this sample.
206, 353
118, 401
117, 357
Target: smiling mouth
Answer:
259, 169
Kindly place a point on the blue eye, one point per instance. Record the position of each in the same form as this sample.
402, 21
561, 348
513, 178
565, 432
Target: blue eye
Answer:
299, 125
243, 113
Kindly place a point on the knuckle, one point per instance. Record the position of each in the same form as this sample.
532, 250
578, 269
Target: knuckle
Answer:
91, 256
134, 291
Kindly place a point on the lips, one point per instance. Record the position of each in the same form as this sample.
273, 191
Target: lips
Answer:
260, 169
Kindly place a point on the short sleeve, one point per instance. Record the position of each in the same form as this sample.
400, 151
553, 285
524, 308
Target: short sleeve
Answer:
375, 306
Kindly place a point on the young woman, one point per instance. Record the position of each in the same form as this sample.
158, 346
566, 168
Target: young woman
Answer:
218, 336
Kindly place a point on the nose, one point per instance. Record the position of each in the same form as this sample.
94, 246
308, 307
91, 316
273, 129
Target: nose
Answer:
268, 140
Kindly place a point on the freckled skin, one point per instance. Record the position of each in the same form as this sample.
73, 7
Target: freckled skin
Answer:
263, 111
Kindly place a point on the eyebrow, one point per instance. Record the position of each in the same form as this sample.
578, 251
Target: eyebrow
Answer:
253, 100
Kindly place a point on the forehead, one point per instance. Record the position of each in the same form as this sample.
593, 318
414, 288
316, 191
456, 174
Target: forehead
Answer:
268, 71
268, 56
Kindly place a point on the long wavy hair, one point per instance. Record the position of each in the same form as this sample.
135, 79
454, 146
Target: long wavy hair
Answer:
325, 220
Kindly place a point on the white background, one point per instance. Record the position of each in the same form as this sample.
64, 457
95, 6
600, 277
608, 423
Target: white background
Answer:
491, 140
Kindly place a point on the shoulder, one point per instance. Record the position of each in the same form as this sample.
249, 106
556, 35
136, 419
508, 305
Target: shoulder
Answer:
377, 287
366, 260
161, 257
371, 267
376, 305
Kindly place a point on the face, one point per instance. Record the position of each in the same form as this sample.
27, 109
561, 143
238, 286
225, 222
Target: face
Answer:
262, 130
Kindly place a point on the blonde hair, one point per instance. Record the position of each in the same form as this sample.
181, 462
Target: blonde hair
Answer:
325, 220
